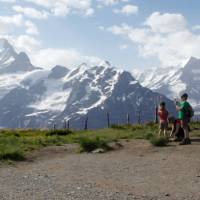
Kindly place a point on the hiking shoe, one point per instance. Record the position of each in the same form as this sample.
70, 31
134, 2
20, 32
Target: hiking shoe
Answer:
188, 141
178, 139
184, 142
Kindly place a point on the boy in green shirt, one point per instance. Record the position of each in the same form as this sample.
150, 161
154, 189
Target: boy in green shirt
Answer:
183, 108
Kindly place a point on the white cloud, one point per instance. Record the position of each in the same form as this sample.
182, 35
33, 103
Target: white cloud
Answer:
123, 46
166, 23
8, 1
127, 10
8, 23
64, 7
89, 12
171, 43
67, 57
31, 28
196, 27
49, 57
102, 28
111, 2
31, 12
25, 43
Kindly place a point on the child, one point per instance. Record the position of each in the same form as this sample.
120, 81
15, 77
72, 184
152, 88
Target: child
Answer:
177, 132
163, 115
185, 113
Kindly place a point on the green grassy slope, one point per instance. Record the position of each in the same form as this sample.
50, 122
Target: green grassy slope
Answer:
14, 144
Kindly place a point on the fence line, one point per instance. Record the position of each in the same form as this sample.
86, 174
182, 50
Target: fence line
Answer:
109, 120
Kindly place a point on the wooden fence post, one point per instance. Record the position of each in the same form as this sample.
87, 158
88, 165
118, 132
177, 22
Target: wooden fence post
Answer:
54, 127
86, 123
139, 116
68, 125
65, 124
108, 119
156, 114
128, 118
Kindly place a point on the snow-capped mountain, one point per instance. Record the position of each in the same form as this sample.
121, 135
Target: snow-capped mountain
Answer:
12, 62
43, 97
13, 67
174, 81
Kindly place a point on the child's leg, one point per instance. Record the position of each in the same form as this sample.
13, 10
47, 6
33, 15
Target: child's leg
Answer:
184, 125
165, 127
177, 129
172, 133
166, 133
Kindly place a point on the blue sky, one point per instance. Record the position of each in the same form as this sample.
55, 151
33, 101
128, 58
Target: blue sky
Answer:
129, 33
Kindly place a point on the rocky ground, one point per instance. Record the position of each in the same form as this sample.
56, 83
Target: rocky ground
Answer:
137, 171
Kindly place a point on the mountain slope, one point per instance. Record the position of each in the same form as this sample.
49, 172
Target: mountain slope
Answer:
14, 67
91, 91
37, 98
12, 62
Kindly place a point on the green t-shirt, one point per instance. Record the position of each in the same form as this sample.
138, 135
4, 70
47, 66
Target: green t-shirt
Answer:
184, 106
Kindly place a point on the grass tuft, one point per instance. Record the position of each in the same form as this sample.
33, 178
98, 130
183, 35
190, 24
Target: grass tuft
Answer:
159, 141
91, 144
8, 152
61, 132
118, 126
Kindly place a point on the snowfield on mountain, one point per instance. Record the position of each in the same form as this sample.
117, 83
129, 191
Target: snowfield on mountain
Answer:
173, 81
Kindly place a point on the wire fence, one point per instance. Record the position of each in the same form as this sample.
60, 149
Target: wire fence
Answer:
85, 122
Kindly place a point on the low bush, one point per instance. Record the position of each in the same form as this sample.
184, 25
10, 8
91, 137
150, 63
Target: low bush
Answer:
118, 126
159, 141
90, 144
8, 152
61, 132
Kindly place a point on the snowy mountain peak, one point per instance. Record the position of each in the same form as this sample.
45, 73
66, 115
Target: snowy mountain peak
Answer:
105, 63
7, 53
58, 72
12, 62
173, 81
193, 62
22, 56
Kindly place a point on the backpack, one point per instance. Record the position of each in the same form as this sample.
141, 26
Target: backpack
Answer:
189, 112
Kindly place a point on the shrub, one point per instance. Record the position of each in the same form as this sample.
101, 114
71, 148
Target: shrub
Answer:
61, 132
159, 141
8, 152
90, 144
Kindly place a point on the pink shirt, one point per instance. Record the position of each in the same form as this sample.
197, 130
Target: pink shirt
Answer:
163, 114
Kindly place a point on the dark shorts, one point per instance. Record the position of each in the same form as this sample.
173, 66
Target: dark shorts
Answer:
185, 123
163, 125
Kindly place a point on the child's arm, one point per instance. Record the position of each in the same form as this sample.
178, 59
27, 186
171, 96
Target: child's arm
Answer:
178, 106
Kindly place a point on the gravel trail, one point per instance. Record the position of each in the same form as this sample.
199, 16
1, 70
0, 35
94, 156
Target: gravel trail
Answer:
138, 171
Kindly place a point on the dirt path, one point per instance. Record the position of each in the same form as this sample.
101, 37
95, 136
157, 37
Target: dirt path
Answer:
138, 171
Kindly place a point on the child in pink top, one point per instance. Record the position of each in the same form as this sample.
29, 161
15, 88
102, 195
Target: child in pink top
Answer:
163, 115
